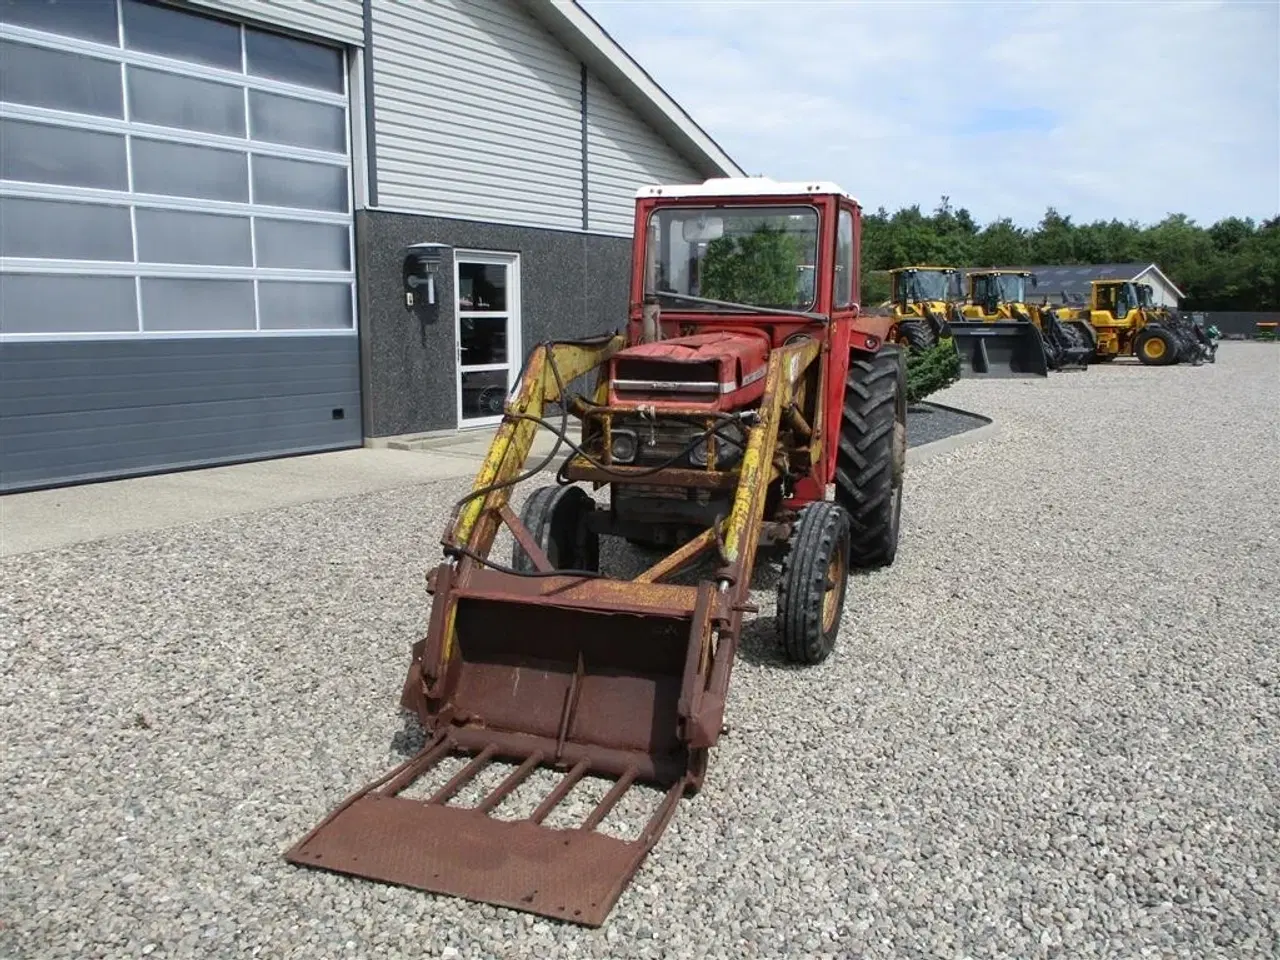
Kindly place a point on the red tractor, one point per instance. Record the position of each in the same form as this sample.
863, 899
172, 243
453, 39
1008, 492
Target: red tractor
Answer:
747, 386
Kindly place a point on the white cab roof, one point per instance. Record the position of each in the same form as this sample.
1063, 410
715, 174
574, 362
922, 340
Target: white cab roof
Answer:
743, 187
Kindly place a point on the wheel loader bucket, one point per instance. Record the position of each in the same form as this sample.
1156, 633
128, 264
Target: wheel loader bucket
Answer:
1000, 349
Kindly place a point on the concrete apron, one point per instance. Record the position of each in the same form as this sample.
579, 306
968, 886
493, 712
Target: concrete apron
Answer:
63, 516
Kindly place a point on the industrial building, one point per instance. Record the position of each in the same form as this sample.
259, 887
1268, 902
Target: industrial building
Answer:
204, 208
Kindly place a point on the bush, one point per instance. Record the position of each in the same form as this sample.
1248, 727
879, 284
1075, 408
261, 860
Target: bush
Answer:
932, 371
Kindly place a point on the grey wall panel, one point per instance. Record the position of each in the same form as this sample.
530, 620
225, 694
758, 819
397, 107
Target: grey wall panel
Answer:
1236, 323
478, 113
72, 411
623, 154
330, 19
572, 284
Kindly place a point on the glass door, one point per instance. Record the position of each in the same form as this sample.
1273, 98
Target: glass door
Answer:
488, 334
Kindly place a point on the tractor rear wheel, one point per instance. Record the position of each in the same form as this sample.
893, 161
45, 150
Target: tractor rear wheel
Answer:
872, 455
811, 591
916, 337
556, 517
1156, 347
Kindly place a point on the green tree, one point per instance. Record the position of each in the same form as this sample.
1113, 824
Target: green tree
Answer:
1001, 244
758, 268
1234, 264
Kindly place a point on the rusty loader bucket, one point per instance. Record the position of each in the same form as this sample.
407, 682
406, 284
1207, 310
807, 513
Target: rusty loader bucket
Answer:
1004, 348
565, 674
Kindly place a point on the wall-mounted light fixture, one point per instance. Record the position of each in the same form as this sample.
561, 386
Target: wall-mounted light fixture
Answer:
422, 262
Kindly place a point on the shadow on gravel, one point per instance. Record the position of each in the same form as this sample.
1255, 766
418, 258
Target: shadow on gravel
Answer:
759, 644
410, 738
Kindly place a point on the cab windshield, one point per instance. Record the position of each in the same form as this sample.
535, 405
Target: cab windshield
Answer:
760, 256
929, 285
1000, 287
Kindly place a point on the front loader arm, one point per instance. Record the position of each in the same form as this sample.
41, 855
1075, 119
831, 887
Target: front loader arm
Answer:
787, 365
550, 367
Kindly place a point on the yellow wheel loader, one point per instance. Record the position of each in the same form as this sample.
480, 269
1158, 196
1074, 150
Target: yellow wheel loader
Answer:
1129, 324
922, 305
1003, 335
745, 406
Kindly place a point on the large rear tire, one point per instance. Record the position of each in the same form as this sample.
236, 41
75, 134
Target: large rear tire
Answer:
872, 453
557, 519
815, 573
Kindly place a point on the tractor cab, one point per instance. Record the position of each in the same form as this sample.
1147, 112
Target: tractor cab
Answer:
779, 257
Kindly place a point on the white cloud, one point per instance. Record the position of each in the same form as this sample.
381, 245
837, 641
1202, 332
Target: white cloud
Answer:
1140, 108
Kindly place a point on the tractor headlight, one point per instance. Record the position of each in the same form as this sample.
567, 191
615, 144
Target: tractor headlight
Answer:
728, 452
623, 445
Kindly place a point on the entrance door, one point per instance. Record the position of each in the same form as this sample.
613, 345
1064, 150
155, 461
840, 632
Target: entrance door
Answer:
488, 297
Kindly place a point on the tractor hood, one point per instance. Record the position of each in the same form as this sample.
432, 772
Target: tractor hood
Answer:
722, 370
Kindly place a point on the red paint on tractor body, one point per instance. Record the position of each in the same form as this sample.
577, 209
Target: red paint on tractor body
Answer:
718, 370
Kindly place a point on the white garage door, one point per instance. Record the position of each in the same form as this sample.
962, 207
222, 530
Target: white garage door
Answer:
175, 199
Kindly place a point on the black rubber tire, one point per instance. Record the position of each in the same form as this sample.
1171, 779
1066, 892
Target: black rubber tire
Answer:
916, 336
820, 537
556, 517
871, 457
1172, 348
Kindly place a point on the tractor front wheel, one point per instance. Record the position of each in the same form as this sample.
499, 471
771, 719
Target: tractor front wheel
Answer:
811, 591
872, 453
556, 517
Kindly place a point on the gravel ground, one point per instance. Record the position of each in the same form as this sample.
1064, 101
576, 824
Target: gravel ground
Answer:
1049, 730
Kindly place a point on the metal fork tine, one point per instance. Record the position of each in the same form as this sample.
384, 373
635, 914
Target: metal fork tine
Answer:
610, 800
463, 776
513, 780
560, 792
421, 765
658, 822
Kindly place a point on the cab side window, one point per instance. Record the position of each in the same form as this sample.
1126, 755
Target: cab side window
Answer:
844, 292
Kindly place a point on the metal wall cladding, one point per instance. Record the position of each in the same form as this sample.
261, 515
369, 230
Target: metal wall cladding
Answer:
478, 114
331, 19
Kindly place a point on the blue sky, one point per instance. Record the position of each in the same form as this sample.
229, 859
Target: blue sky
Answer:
1100, 109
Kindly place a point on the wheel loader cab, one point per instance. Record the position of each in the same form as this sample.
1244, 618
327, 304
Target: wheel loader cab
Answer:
923, 300
996, 292
916, 285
